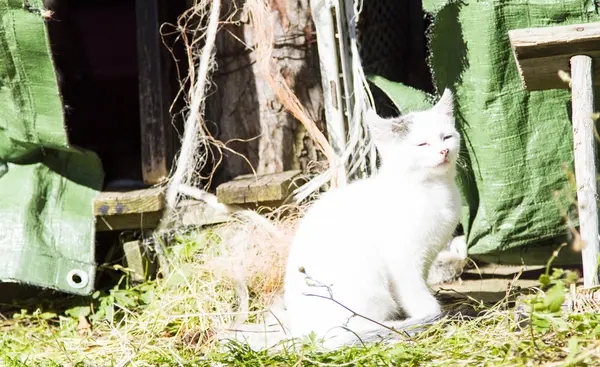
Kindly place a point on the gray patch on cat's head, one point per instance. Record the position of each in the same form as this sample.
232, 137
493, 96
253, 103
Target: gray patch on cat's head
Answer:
390, 129
401, 126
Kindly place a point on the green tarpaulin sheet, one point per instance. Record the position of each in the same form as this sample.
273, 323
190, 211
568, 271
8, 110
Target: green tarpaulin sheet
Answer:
517, 144
46, 186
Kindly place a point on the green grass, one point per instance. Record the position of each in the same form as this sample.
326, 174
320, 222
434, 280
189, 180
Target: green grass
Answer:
171, 322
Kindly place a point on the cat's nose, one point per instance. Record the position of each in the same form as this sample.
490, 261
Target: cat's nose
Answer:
444, 152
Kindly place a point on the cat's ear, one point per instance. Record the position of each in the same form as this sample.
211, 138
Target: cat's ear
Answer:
445, 105
379, 127
384, 131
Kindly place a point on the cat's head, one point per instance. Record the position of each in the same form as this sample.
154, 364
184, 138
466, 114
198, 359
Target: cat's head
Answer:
424, 142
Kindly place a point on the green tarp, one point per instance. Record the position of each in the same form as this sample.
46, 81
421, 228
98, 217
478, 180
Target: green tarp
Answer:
46, 186
517, 144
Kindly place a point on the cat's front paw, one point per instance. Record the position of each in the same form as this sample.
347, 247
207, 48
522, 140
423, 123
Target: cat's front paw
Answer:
427, 310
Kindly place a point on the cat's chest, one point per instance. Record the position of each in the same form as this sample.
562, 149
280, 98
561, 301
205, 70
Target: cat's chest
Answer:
420, 208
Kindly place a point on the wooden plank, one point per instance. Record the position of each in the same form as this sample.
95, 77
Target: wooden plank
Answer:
542, 73
501, 270
584, 150
198, 213
148, 220
541, 52
269, 188
233, 192
154, 96
265, 188
141, 260
555, 41
129, 202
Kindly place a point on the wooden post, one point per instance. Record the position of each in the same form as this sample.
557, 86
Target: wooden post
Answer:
540, 54
584, 150
153, 90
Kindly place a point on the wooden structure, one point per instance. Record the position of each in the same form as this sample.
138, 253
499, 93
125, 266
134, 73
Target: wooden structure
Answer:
540, 54
143, 209
129, 210
154, 93
268, 189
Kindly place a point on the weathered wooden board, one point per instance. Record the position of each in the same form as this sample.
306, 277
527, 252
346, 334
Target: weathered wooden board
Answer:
140, 260
129, 202
143, 209
155, 123
541, 52
268, 188
198, 213
148, 220
584, 151
139, 209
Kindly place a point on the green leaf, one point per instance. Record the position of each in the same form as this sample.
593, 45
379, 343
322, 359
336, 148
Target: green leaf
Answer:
21, 315
147, 296
571, 277
544, 280
78, 311
124, 297
573, 349
560, 323
407, 99
540, 323
555, 297
557, 273
47, 315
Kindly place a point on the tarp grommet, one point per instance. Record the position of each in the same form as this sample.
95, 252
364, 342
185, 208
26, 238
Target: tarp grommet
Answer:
77, 278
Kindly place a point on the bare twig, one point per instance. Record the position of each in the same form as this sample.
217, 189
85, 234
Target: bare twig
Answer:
317, 283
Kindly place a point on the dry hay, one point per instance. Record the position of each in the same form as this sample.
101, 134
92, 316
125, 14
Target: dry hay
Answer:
239, 268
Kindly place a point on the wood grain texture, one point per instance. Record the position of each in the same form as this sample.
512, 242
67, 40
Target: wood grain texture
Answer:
143, 209
130, 202
153, 93
266, 188
148, 220
584, 147
141, 260
541, 52
198, 213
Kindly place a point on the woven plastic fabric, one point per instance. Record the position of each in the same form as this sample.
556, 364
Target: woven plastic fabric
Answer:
517, 144
46, 186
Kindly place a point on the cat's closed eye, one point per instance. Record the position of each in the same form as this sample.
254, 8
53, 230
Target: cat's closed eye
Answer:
448, 137
423, 144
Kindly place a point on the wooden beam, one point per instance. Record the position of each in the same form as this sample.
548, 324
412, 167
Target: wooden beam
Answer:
139, 209
198, 213
143, 209
154, 96
542, 52
584, 150
141, 260
250, 189
129, 202
121, 222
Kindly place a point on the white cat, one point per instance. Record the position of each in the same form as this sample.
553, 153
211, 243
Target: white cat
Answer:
369, 245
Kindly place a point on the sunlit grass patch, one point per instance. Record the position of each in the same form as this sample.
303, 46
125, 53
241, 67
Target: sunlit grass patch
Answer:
174, 320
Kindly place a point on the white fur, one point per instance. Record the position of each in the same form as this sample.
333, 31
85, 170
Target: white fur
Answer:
450, 262
371, 243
